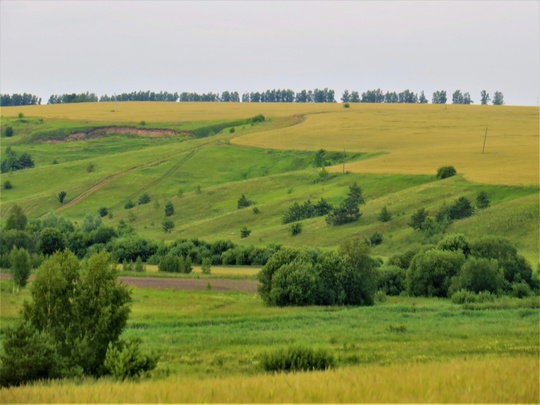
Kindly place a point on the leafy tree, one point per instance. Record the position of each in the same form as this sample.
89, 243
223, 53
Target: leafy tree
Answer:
81, 307
294, 283
391, 279
20, 267
206, 265
8, 133
444, 172
243, 202
91, 223
319, 160
457, 97
479, 274
129, 204
384, 214
139, 265
51, 240
169, 209
418, 219
498, 98
169, 263
484, 97
422, 98
14, 162
359, 276
482, 200
455, 243
431, 272
16, 218
439, 97
125, 360
461, 208
61, 196
103, 211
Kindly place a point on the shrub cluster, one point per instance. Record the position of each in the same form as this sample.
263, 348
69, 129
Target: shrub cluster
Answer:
297, 358
298, 212
12, 161
303, 277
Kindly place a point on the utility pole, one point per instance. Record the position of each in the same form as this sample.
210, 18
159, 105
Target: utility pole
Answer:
485, 137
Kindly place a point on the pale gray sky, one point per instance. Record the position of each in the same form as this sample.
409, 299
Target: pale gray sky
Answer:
110, 47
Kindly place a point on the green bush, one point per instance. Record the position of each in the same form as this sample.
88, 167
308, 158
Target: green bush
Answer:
7, 185
445, 172
391, 279
28, 355
295, 229
206, 265
170, 264
144, 199
125, 360
297, 358
129, 204
469, 297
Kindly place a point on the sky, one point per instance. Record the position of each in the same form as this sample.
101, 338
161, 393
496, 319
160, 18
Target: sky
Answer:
111, 47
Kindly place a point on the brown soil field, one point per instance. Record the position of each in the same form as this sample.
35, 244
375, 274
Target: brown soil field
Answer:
218, 284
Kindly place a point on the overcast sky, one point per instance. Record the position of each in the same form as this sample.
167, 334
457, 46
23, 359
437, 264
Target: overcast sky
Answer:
110, 47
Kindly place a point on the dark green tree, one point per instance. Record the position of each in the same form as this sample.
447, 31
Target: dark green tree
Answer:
484, 97
439, 97
498, 98
169, 209
243, 202
8, 133
245, 232
20, 267
479, 274
61, 196
169, 263
167, 225
384, 214
144, 199
461, 208
51, 240
418, 219
482, 200
444, 172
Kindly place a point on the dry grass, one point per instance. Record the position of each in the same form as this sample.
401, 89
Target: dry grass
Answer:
487, 380
421, 138
217, 270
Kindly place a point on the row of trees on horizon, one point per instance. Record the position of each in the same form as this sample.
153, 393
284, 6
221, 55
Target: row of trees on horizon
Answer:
269, 96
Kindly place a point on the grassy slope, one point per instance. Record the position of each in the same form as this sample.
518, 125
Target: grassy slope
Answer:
171, 169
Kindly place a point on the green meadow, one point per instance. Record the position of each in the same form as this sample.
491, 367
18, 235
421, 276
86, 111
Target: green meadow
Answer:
211, 342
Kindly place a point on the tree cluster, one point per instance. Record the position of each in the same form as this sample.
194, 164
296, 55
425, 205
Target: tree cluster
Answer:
73, 98
298, 212
12, 161
7, 100
141, 96
300, 277
348, 210
72, 324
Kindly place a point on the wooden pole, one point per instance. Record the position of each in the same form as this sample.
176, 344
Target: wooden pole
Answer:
485, 137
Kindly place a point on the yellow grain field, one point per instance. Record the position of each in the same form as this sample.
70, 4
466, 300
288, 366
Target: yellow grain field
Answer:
487, 380
217, 270
417, 139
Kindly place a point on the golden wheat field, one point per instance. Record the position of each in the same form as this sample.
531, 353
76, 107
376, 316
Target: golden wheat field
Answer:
488, 380
412, 139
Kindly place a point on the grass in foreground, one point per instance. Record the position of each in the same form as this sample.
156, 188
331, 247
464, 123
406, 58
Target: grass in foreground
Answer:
488, 380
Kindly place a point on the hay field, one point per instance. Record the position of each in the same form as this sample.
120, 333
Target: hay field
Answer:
418, 139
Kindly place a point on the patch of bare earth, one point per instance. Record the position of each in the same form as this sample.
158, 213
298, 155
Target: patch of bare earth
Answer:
218, 284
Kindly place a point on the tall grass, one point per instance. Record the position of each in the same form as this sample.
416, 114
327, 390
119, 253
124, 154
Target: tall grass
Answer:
465, 380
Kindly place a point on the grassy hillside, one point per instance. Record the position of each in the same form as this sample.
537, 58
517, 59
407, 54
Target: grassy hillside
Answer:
393, 152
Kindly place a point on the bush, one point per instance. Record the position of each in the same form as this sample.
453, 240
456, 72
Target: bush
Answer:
431, 272
129, 204
243, 202
28, 355
8, 132
169, 263
125, 360
295, 229
297, 358
445, 172
391, 279
103, 211
384, 214
245, 232
461, 208
139, 265
169, 209
7, 185
468, 297
479, 274
206, 265
144, 199
521, 290
61, 196
375, 239
167, 225
20, 267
